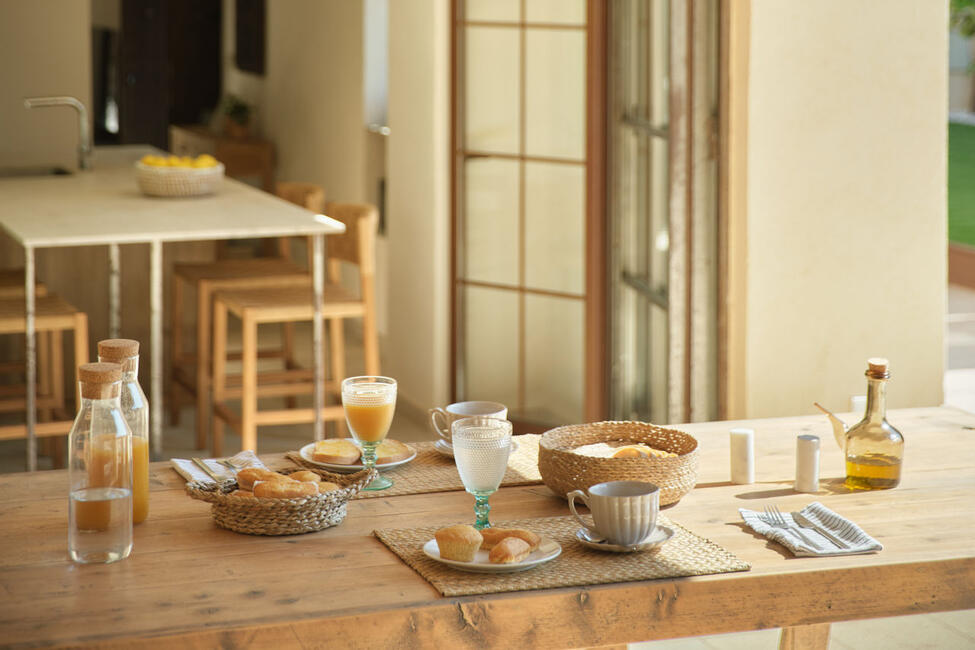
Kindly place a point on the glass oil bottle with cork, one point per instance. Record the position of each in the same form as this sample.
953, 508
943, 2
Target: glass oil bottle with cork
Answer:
874, 449
99, 470
135, 410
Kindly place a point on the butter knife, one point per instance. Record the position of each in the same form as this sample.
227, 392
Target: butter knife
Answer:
206, 468
805, 522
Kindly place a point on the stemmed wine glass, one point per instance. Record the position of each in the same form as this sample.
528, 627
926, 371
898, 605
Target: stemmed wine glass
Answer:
481, 448
369, 403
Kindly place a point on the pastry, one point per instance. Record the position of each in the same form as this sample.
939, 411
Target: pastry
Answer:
459, 542
338, 451
328, 486
641, 451
247, 476
305, 475
391, 451
509, 550
284, 489
492, 536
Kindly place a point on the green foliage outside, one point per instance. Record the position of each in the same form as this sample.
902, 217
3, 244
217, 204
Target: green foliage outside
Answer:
961, 183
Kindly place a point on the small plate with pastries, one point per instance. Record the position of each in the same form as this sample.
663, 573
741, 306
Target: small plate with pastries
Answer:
344, 455
491, 550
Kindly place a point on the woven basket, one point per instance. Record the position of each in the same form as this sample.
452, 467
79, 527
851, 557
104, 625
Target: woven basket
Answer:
178, 181
564, 471
264, 516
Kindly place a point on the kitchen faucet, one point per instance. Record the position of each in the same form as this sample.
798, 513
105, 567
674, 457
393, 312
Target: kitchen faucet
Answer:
84, 133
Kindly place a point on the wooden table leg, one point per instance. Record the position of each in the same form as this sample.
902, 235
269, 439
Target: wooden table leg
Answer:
805, 637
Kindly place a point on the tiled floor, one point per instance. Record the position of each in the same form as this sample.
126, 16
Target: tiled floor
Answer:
944, 631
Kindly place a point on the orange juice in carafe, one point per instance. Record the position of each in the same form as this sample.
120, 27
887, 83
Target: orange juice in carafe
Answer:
135, 409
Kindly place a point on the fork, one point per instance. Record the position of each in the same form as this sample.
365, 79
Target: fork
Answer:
775, 519
226, 462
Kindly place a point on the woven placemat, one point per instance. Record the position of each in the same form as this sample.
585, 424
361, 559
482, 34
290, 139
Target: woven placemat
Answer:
431, 471
686, 554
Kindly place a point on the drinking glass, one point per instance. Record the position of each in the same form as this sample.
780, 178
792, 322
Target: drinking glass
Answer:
369, 403
481, 447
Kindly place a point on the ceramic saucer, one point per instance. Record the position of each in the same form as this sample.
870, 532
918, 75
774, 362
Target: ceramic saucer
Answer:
445, 448
660, 536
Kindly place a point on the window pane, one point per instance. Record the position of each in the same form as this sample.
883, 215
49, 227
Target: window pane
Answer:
491, 81
490, 363
554, 359
563, 12
492, 10
490, 225
555, 87
555, 196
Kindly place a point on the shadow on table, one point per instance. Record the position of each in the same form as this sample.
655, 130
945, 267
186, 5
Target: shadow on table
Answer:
782, 489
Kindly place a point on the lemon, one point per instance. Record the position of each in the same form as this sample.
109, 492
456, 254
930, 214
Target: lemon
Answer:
173, 161
205, 160
153, 161
186, 161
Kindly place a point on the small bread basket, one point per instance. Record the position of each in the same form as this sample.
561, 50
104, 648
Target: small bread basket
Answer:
563, 470
264, 516
178, 181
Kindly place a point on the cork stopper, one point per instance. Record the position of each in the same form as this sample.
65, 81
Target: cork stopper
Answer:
877, 368
118, 350
99, 380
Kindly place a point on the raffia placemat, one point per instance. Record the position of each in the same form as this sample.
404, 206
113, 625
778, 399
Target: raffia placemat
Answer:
686, 554
431, 471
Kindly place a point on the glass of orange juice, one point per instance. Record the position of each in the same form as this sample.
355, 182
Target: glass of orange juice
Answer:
369, 404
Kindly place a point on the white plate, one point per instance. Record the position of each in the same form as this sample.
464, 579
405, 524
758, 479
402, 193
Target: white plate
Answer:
547, 550
447, 449
307, 450
660, 536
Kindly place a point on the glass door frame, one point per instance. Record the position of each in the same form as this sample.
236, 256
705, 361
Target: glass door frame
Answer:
595, 374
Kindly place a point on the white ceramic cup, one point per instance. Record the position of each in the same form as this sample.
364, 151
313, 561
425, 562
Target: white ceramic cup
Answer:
624, 512
441, 419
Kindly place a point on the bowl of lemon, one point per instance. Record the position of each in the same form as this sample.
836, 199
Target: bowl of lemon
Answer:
178, 175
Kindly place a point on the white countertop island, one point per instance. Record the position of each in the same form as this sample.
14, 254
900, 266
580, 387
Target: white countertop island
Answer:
103, 206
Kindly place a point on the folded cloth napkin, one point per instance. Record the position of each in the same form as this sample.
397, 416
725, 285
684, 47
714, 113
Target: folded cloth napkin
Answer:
856, 540
193, 472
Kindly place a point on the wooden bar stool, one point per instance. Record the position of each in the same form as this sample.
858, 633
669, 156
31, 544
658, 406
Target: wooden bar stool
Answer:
53, 315
190, 373
285, 305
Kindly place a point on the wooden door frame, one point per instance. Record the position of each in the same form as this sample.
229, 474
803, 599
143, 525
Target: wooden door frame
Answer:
596, 318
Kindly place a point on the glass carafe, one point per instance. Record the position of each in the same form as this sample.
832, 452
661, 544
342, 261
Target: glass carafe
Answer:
100, 470
874, 449
135, 409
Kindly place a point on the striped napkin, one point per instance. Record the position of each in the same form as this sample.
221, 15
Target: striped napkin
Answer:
189, 470
855, 539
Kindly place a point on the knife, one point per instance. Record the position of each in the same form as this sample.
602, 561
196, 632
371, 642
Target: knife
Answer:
206, 468
805, 522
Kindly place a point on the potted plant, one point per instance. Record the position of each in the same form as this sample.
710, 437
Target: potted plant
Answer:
237, 116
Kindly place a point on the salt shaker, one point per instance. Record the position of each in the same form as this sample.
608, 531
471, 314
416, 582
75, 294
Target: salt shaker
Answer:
742, 456
807, 463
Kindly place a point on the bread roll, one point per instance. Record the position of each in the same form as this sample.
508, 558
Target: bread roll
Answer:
391, 451
338, 451
242, 493
305, 475
284, 489
459, 542
328, 486
247, 476
492, 536
641, 451
509, 550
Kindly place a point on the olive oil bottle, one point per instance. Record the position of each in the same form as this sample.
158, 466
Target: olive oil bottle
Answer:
874, 449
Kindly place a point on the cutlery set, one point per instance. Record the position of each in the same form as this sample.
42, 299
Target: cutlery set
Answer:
773, 517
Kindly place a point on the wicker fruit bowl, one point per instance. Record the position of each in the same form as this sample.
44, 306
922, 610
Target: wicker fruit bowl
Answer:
563, 470
263, 516
178, 181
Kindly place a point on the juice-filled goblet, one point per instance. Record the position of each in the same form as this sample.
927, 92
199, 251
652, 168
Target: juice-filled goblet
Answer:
369, 405
481, 448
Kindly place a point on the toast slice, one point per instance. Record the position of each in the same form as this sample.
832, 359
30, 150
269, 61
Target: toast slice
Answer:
338, 451
391, 451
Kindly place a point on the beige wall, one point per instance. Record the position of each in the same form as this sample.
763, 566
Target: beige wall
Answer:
45, 49
310, 99
418, 200
846, 204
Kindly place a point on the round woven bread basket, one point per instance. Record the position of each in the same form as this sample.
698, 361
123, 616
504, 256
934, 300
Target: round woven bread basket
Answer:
178, 181
264, 516
563, 470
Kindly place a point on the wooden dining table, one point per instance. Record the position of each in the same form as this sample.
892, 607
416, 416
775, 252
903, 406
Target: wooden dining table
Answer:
190, 584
